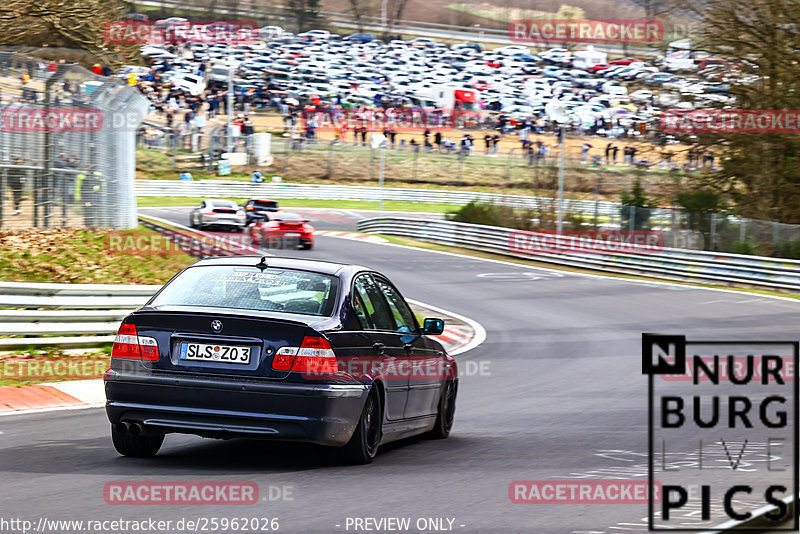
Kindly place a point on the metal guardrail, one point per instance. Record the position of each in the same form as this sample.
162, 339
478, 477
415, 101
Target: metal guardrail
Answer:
666, 263
81, 315
230, 188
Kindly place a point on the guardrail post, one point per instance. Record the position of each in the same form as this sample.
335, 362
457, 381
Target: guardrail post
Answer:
775, 234
508, 163
371, 163
632, 218
712, 237
674, 228
329, 174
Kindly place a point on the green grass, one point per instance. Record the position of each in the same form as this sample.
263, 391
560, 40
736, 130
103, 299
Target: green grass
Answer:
81, 256
389, 205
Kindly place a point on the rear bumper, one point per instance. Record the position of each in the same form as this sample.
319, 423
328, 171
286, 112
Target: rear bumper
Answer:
326, 414
223, 222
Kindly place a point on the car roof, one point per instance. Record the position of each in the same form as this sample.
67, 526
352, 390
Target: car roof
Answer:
320, 266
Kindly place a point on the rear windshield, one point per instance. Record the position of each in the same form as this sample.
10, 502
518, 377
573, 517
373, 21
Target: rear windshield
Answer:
222, 204
227, 286
265, 204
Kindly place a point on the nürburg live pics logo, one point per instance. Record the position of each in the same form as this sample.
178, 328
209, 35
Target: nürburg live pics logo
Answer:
722, 434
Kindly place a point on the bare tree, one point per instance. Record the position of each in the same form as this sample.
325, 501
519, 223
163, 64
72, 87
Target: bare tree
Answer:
394, 12
75, 24
761, 41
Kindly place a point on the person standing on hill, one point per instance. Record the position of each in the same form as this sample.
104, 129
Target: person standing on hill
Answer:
17, 177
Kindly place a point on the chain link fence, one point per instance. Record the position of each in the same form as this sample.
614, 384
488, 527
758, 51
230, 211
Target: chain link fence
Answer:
67, 146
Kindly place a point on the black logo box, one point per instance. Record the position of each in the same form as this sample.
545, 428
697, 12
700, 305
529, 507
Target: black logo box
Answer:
674, 348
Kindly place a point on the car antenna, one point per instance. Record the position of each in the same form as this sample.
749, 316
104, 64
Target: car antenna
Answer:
262, 264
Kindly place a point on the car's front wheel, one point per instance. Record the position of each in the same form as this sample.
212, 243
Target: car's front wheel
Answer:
137, 446
363, 445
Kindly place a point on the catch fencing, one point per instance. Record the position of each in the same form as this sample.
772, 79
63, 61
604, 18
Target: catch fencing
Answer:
67, 146
712, 232
666, 263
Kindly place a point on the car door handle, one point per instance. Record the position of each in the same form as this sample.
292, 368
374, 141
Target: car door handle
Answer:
380, 347
409, 348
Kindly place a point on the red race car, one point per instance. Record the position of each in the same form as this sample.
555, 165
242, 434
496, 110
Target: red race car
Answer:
282, 230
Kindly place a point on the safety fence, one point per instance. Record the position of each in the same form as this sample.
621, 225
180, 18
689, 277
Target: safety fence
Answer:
697, 231
662, 262
67, 145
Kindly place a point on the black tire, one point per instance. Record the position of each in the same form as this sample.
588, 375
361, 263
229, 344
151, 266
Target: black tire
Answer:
192, 223
128, 444
447, 411
363, 445
307, 246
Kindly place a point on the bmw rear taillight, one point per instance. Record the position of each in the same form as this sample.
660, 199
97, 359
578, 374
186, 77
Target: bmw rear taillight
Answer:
314, 356
129, 345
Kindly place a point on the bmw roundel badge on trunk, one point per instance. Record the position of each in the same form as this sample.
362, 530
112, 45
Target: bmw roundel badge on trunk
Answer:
216, 325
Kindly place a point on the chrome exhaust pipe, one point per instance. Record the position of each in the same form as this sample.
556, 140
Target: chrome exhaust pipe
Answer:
137, 429
122, 427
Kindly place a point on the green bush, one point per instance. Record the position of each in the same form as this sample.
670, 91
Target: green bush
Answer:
788, 250
744, 248
493, 215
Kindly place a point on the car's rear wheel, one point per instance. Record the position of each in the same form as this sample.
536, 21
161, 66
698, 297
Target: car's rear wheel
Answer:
307, 246
363, 446
137, 446
447, 411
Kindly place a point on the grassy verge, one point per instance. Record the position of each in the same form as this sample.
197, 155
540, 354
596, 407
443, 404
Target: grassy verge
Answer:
389, 205
36, 366
81, 256
510, 259
72, 256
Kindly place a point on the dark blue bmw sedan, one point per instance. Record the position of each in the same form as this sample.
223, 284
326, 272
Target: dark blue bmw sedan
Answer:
278, 348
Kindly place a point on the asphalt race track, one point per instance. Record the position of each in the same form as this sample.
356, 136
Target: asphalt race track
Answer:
563, 397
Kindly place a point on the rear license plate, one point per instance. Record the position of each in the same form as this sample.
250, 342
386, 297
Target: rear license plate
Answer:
214, 353
291, 234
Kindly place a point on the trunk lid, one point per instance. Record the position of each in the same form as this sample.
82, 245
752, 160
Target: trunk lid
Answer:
188, 341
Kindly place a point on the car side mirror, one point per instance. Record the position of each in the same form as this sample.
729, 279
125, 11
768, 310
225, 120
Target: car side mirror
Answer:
432, 326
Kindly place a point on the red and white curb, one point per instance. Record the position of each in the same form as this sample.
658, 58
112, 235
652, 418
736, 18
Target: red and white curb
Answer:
457, 339
69, 395
355, 236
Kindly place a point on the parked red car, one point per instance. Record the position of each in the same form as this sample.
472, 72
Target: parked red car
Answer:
600, 67
623, 61
282, 230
